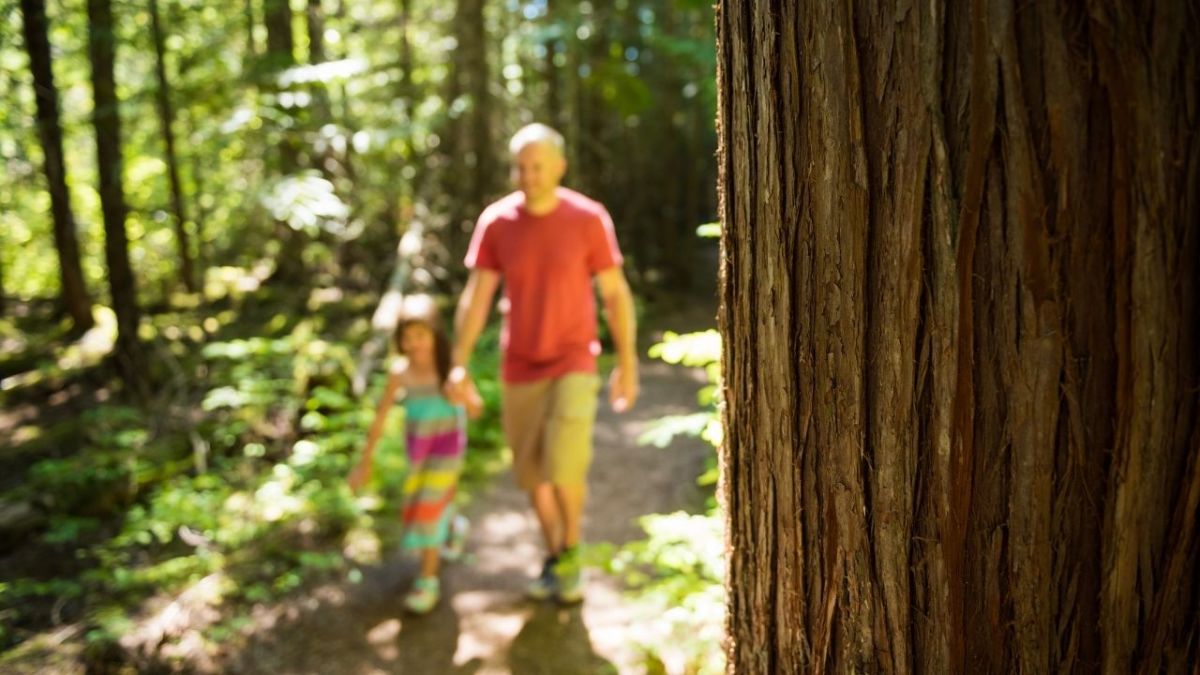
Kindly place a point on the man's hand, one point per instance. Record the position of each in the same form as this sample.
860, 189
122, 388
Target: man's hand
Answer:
473, 402
359, 476
623, 388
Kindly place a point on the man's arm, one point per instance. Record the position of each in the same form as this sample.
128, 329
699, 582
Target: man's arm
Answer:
622, 323
469, 319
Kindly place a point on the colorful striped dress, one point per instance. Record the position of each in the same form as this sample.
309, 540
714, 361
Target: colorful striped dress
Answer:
435, 438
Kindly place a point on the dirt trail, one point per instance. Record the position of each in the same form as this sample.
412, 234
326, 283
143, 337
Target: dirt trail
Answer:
484, 624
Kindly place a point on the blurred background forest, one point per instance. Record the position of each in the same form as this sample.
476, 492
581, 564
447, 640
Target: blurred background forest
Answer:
200, 210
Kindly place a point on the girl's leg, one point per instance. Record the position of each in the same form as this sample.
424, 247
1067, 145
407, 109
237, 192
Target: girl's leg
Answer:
427, 588
430, 560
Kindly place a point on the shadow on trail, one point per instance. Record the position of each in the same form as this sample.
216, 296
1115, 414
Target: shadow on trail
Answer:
554, 636
354, 628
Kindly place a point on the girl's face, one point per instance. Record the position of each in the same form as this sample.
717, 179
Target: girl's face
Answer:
416, 341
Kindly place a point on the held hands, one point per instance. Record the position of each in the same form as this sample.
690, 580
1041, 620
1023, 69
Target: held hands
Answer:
623, 388
460, 390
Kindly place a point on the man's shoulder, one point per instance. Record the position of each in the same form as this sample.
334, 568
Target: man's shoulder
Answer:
581, 202
505, 208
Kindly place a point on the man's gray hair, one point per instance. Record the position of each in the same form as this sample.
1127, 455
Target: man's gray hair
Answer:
535, 133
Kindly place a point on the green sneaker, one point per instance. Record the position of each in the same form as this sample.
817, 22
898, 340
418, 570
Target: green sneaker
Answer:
569, 570
423, 595
546, 583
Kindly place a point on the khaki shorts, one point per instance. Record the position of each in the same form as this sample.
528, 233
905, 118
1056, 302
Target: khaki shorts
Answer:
548, 424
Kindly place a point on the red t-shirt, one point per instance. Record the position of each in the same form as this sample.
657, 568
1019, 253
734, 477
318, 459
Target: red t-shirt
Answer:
546, 263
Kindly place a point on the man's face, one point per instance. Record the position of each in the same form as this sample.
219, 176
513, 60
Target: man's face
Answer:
537, 170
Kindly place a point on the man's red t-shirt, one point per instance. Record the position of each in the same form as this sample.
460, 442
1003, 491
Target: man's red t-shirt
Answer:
546, 263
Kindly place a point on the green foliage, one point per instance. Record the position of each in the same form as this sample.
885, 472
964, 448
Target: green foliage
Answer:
268, 509
237, 466
678, 570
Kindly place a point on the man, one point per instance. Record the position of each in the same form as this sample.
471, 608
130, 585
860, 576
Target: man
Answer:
547, 244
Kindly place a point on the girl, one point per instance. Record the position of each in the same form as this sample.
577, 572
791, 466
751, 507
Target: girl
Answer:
435, 440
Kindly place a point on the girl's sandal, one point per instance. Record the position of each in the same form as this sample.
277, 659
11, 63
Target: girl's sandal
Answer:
423, 595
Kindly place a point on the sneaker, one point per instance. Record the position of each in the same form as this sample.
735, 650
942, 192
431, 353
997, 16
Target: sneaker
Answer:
456, 540
569, 571
546, 583
423, 595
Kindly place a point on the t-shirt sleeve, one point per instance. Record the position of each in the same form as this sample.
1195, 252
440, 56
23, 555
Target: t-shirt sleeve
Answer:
603, 251
481, 254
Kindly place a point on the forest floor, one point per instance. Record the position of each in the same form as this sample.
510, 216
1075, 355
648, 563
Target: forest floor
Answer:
484, 624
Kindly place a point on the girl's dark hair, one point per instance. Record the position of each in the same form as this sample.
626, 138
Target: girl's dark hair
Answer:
422, 309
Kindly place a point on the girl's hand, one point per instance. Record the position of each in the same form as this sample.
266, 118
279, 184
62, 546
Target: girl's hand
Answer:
456, 384
359, 476
473, 401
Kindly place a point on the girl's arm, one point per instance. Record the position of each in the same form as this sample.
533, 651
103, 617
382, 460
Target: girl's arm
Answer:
362, 471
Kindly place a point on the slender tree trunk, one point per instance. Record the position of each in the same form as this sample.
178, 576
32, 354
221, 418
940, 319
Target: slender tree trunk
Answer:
166, 116
251, 43
75, 296
550, 69
107, 121
406, 60
315, 16
959, 302
277, 16
281, 55
472, 173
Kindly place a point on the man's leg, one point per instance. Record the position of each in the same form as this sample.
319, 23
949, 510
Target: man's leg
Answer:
569, 501
569, 454
549, 515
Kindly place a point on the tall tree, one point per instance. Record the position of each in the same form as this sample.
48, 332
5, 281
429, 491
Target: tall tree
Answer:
315, 21
281, 55
166, 117
959, 301
74, 292
107, 121
473, 172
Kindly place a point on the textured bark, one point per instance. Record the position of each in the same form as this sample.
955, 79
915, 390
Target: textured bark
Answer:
75, 298
107, 121
166, 118
971, 230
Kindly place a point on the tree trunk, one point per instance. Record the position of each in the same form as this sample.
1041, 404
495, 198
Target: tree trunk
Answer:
251, 43
281, 55
107, 121
550, 68
75, 297
471, 176
281, 46
972, 232
315, 16
166, 116
277, 17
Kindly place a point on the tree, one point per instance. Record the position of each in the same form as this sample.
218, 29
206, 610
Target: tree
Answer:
474, 172
959, 303
166, 116
109, 163
75, 298
281, 55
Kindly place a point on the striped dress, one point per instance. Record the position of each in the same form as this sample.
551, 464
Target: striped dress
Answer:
435, 437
